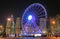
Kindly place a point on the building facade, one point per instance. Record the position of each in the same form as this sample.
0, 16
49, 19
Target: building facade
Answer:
8, 25
58, 23
17, 26
55, 24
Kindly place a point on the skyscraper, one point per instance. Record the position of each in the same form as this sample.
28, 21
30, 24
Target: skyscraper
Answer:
58, 23
12, 32
1, 30
8, 25
17, 26
53, 25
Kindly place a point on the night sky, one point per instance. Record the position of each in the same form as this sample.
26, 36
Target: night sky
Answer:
17, 7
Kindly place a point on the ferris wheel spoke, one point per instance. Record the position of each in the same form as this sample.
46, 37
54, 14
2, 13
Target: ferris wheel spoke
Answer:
44, 24
41, 16
42, 12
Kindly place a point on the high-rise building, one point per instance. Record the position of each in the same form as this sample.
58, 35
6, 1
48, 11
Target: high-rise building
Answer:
1, 30
53, 25
58, 23
8, 25
17, 26
12, 32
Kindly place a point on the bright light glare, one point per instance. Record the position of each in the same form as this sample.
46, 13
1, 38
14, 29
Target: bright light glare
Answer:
53, 22
9, 19
29, 17
37, 35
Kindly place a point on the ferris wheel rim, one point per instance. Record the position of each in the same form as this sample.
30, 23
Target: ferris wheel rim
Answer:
33, 5
30, 7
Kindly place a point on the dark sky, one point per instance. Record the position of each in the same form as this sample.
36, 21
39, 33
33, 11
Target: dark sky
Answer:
17, 7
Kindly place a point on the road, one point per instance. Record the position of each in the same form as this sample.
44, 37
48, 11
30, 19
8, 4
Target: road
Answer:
32, 38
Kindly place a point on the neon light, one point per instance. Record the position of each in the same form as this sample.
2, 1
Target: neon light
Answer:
32, 16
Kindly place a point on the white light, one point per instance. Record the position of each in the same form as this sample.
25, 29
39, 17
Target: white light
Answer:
37, 35
9, 19
29, 17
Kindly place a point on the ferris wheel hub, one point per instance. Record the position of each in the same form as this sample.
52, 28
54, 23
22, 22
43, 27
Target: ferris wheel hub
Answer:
29, 17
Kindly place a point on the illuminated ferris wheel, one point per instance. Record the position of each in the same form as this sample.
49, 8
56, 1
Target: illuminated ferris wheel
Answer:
34, 18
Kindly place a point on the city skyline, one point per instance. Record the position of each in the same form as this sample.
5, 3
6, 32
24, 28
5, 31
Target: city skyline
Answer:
29, 19
17, 8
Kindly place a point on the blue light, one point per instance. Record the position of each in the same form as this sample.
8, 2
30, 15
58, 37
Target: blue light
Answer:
29, 17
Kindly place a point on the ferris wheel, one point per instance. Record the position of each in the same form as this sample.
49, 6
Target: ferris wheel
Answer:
34, 18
